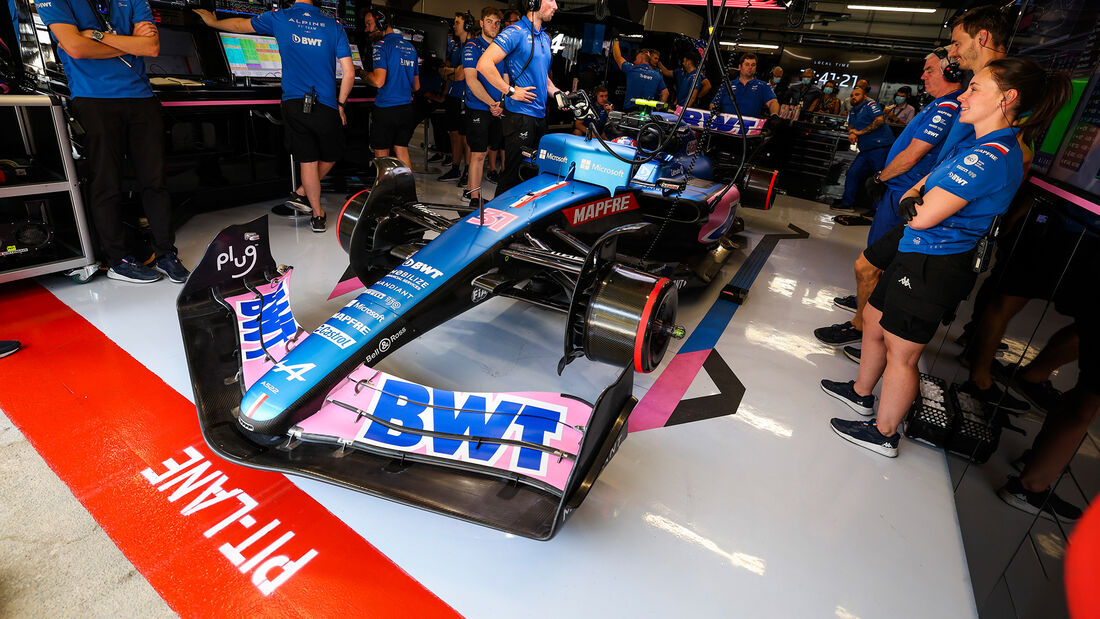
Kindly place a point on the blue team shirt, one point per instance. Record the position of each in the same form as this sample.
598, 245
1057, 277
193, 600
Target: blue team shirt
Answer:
394, 54
515, 40
986, 173
310, 44
475, 47
457, 88
861, 117
683, 84
752, 98
931, 125
108, 78
642, 82
960, 133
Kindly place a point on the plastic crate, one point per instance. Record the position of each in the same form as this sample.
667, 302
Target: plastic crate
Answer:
931, 421
975, 435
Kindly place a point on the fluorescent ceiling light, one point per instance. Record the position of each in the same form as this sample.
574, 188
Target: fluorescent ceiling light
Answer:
756, 45
896, 9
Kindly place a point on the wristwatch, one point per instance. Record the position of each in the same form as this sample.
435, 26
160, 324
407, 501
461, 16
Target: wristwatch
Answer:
511, 90
97, 35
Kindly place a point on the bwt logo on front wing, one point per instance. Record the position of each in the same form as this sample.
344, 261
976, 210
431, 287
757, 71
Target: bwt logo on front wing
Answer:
315, 42
585, 213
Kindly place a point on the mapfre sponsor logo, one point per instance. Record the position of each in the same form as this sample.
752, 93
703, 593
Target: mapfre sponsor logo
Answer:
585, 213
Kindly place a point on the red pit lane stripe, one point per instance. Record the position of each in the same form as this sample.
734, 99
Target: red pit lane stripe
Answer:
108, 427
538, 194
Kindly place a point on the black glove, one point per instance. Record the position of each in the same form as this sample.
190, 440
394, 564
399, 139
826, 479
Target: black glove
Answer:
907, 208
875, 188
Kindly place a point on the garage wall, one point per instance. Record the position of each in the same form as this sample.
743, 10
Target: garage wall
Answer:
668, 18
447, 8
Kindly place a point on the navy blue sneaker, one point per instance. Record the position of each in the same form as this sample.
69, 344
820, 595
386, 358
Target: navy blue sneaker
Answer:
846, 392
849, 302
8, 347
299, 203
134, 272
1045, 503
866, 434
170, 265
839, 334
853, 353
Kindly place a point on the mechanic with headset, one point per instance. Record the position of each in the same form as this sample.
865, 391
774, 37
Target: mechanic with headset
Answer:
912, 156
524, 48
102, 44
483, 107
754, 97
642, 80
310, 44
685, 77
395, 74
463, 28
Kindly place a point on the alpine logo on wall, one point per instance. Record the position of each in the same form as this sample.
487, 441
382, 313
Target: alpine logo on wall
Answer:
592, 211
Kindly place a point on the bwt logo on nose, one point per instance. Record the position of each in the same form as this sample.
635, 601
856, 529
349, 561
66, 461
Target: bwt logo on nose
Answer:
306, 40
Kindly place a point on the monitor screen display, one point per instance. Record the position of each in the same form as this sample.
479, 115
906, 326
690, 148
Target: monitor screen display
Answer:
356, 59
252, 55
1078, 160
243, 7
178, 55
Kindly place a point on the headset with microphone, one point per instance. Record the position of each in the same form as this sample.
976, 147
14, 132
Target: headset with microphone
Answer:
381, 19
952, 72
534, 5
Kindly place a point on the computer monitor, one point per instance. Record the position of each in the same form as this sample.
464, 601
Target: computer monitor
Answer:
243, 7
356, 59
252, 55
178, 55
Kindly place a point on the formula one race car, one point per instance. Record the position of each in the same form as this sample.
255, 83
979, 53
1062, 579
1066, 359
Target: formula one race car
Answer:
597, 235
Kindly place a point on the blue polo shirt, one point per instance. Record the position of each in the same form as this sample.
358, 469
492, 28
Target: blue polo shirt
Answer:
752, 98
108, 78
931, 125
310, 44
457, 88
475, 47
986, 173
861, 117
960, 133
515, 40
642, 82
683, 84
398, 57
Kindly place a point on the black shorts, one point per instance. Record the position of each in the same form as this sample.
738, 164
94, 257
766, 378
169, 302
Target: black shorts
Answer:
881, 253
483, 131
317, 136
391, 126
1079, 297
455, 113
916, 291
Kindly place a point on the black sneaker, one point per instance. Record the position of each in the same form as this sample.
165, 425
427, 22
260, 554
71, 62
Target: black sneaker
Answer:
318, 223
446, 160
492, 176
1045, 503
849, 302
866, 435
465, 178
994, 396
299, 203
436, 158
8, 347
846, 392
170, 265
1042, 396
450, 175
130, 271
838, 334
852, 353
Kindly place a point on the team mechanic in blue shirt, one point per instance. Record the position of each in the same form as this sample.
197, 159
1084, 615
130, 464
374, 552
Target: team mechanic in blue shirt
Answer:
754, 97
642, 80
112, 100
947, 213
394, 72
524, 48
867, 128
913, 155
483, 109
310, 44
462, 28
685, 77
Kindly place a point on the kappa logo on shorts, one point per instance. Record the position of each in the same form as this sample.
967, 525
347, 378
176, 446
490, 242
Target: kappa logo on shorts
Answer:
904, 281
523, 136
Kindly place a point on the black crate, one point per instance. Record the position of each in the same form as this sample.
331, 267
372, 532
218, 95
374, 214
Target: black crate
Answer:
975, 436
927, 423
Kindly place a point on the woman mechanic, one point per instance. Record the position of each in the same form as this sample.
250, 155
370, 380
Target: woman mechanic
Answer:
947, 214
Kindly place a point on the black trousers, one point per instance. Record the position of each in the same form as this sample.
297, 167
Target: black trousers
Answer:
521, 132
116, 128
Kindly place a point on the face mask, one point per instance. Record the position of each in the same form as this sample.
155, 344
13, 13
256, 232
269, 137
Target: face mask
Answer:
828, 90
776, 80
805, 80
899, 100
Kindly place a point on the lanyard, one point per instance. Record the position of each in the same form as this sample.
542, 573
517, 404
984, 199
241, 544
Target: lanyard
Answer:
102, 11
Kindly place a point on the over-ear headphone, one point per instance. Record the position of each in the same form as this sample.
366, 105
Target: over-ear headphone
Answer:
381, 19
534, 5
468, 24
951, 70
